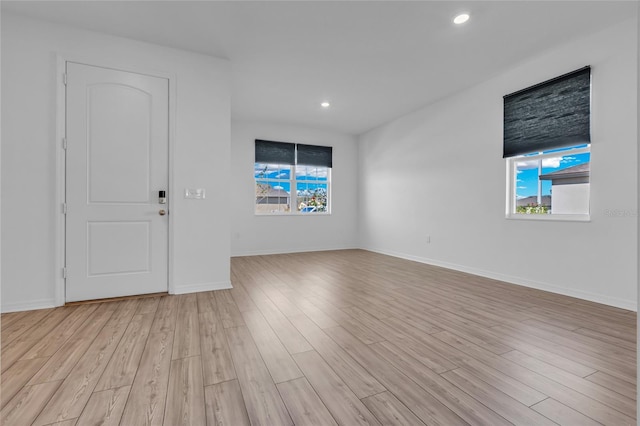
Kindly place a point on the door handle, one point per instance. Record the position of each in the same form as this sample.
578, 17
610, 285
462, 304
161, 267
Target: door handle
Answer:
162, 212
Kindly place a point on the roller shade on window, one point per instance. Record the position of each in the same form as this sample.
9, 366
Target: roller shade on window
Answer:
275, 152
552, 114
313, 155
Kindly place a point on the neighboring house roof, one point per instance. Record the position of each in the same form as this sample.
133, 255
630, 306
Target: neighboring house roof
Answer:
579, 171
533, 200
269, 191
277, 193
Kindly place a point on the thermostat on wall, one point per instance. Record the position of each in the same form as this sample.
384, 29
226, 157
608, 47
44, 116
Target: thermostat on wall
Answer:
194, 193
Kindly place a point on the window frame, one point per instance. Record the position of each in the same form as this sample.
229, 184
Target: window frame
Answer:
293, 181
511, 178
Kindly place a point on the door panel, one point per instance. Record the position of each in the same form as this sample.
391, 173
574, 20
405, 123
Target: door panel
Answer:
133, 240
118, 115
117, 161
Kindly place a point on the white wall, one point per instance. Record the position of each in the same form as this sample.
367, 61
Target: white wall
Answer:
439, 172
265, 234
30, 209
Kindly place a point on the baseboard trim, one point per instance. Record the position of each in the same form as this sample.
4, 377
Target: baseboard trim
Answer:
29, 306
195, 288
289, 251
584, 295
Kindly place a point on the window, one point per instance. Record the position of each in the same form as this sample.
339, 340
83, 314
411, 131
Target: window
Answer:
547, 148
292, 178
553, 183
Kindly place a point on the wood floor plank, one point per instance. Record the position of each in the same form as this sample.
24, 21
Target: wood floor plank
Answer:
9, 318
228, 310
126, 310
390, 411
206, 302
188, 303
146, 402
285, 306
17, 348
70, 399
588, 406
574, 320
343, 404
357, 328
316, 314
148, 305
448, 395
224, 405
567, 364
423, 353
70, 422
384, 328
15, 377
304, 404
24, 407
607, 338
517, 390
593, 390
278, 361
623, 371
50, 343
577, 342
123, 365
166, 315
359, 380
281, 325
562, 415
497, 401
411, 339
422, 403
242, 299
185, 395
217, 365
19, 324
263, 402
613, 383
414, 313
105, 407
187, 339
62, 362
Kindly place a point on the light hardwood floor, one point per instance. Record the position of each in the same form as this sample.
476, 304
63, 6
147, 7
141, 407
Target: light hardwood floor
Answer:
330, 338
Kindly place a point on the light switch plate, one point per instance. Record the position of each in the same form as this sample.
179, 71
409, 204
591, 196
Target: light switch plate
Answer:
194, 193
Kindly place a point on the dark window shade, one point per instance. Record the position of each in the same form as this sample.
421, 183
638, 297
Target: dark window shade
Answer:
275, 152
549, 115
313, 155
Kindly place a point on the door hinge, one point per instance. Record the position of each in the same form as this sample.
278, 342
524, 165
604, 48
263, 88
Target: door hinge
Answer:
64, 208
64, 272
64, 143
64, 79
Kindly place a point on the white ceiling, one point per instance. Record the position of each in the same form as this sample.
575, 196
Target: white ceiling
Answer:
373, 60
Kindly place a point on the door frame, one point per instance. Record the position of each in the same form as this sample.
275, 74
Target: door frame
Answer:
61, 166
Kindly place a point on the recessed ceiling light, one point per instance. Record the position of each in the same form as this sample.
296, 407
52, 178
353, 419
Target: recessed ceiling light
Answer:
325, 104
461, 19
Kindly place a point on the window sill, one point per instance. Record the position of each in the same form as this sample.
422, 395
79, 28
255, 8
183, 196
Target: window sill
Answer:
550, 217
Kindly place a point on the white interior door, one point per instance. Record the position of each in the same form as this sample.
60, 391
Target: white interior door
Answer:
116, 164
